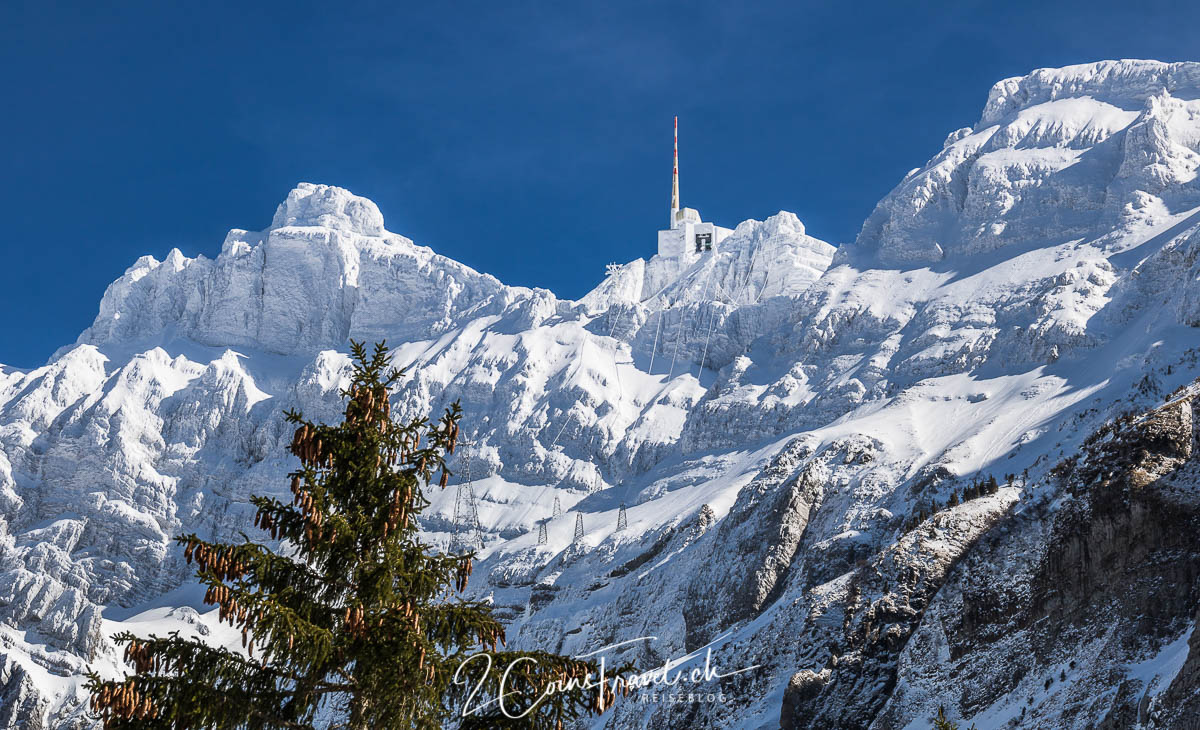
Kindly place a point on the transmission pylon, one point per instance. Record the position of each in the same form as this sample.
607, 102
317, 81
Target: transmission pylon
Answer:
542, 539
557, 507
578, 529
622, 520
466, 508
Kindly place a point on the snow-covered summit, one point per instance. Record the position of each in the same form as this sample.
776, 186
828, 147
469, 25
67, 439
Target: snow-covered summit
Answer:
1126, 84
326, 206
325, 270
1059, 154
758, 260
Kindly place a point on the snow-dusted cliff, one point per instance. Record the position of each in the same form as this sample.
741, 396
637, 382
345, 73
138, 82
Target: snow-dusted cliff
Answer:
777, 418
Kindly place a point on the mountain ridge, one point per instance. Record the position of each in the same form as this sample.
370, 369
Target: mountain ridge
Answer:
773, 417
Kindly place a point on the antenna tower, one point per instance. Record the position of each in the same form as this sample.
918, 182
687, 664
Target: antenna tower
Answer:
675, 179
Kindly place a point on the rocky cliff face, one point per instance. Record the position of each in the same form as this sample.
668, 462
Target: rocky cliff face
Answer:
784, 423
1075, 612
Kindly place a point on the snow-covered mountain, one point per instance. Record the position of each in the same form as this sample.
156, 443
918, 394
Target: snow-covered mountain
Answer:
784, 422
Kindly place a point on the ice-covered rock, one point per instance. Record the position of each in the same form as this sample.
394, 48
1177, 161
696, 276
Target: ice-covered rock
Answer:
326, 206
1058, 155
324, 272
759, 260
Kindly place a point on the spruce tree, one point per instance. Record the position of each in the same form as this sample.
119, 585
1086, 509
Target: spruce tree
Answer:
942, 723
356, 623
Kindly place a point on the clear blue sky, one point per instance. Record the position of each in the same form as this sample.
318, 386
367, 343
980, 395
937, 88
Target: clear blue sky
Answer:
529, 140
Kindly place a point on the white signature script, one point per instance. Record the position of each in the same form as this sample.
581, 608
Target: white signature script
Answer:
672, 673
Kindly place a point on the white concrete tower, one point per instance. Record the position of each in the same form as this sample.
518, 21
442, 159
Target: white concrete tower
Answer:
675, 180
688, 237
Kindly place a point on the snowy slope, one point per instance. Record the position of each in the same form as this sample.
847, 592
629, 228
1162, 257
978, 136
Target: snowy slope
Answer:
773, 417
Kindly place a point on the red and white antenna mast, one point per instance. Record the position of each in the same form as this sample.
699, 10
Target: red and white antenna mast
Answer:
675, 178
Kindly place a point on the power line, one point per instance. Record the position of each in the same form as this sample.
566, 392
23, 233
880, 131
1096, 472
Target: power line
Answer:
654, 350
675, 352
712, 313
733, 300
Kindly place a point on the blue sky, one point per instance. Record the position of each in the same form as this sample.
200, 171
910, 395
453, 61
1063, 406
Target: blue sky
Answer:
529, 140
